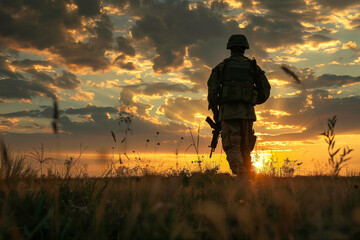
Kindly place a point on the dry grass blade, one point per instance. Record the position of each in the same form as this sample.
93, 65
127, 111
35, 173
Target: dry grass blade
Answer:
291, 73
5, 161
55, 117
56, 110
335, 162
12, 167
113, 135
39, 156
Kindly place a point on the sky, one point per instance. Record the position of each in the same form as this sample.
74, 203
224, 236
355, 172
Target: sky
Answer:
106, 62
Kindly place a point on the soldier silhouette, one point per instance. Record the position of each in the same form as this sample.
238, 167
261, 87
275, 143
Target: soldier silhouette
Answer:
235, 86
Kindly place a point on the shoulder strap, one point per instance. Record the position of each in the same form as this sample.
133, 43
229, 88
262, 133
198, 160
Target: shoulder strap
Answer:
222, 68
255, 71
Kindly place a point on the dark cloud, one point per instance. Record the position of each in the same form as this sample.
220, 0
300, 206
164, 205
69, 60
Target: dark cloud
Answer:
123, 45
49, 25
88, 8
22, 89
7, 124
5, 70
310, 110
281, 6
13, 85
184, 109
271, 32
67, 80
28, 82
40, 76
309, 80
333, 80
140, 109
171, 26
30, 63
198, 76
90, 53
39, 24
318, 38
356, 23
95, 134
128, 105
89, 109
121, 63
47, 112
158, 89
219, 6
338, 4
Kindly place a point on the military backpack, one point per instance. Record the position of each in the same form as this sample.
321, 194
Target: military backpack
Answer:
238, 81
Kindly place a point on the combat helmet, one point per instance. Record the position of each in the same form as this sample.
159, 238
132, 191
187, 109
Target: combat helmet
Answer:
237, 40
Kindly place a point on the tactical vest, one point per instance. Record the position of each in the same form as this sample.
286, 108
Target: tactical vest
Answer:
238, 81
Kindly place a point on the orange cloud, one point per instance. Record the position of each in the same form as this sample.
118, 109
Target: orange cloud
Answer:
81, 95
350, 45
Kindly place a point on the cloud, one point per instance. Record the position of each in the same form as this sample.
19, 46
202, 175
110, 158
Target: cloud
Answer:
93, 127
158, 88
185, 109
356, 23
275, 29
318, 38
25, 63
94, 133
88, 8
77, 31
330, 80
89, 109
121, 63
89, 53
198, 76
81, 95
171, 26
307, 113
129, 96
123, 45
47, 112
338, 4
309, 80
22, 89
33, 78
5, 69
13, 85
6, 125
352, 46
67, 80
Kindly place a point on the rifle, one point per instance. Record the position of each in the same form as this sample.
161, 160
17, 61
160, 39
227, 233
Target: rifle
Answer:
216, 132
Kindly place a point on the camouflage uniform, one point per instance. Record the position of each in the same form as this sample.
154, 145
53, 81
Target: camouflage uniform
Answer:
233, 106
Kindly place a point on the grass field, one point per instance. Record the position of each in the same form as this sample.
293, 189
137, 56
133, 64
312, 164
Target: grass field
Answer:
201, 206
181, 204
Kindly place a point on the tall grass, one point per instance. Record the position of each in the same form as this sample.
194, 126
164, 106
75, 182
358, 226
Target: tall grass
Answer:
202, 206
336, 163
14, 166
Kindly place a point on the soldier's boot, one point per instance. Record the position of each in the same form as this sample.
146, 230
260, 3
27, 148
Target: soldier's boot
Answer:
247, 161
235, 161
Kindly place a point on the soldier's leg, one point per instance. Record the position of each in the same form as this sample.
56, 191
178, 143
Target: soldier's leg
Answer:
248, 142
231, 140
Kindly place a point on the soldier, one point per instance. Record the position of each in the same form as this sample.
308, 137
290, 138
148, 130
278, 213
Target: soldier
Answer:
235, 86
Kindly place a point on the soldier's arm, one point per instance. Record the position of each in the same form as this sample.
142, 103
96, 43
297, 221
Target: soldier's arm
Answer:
263, 87
214, 89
